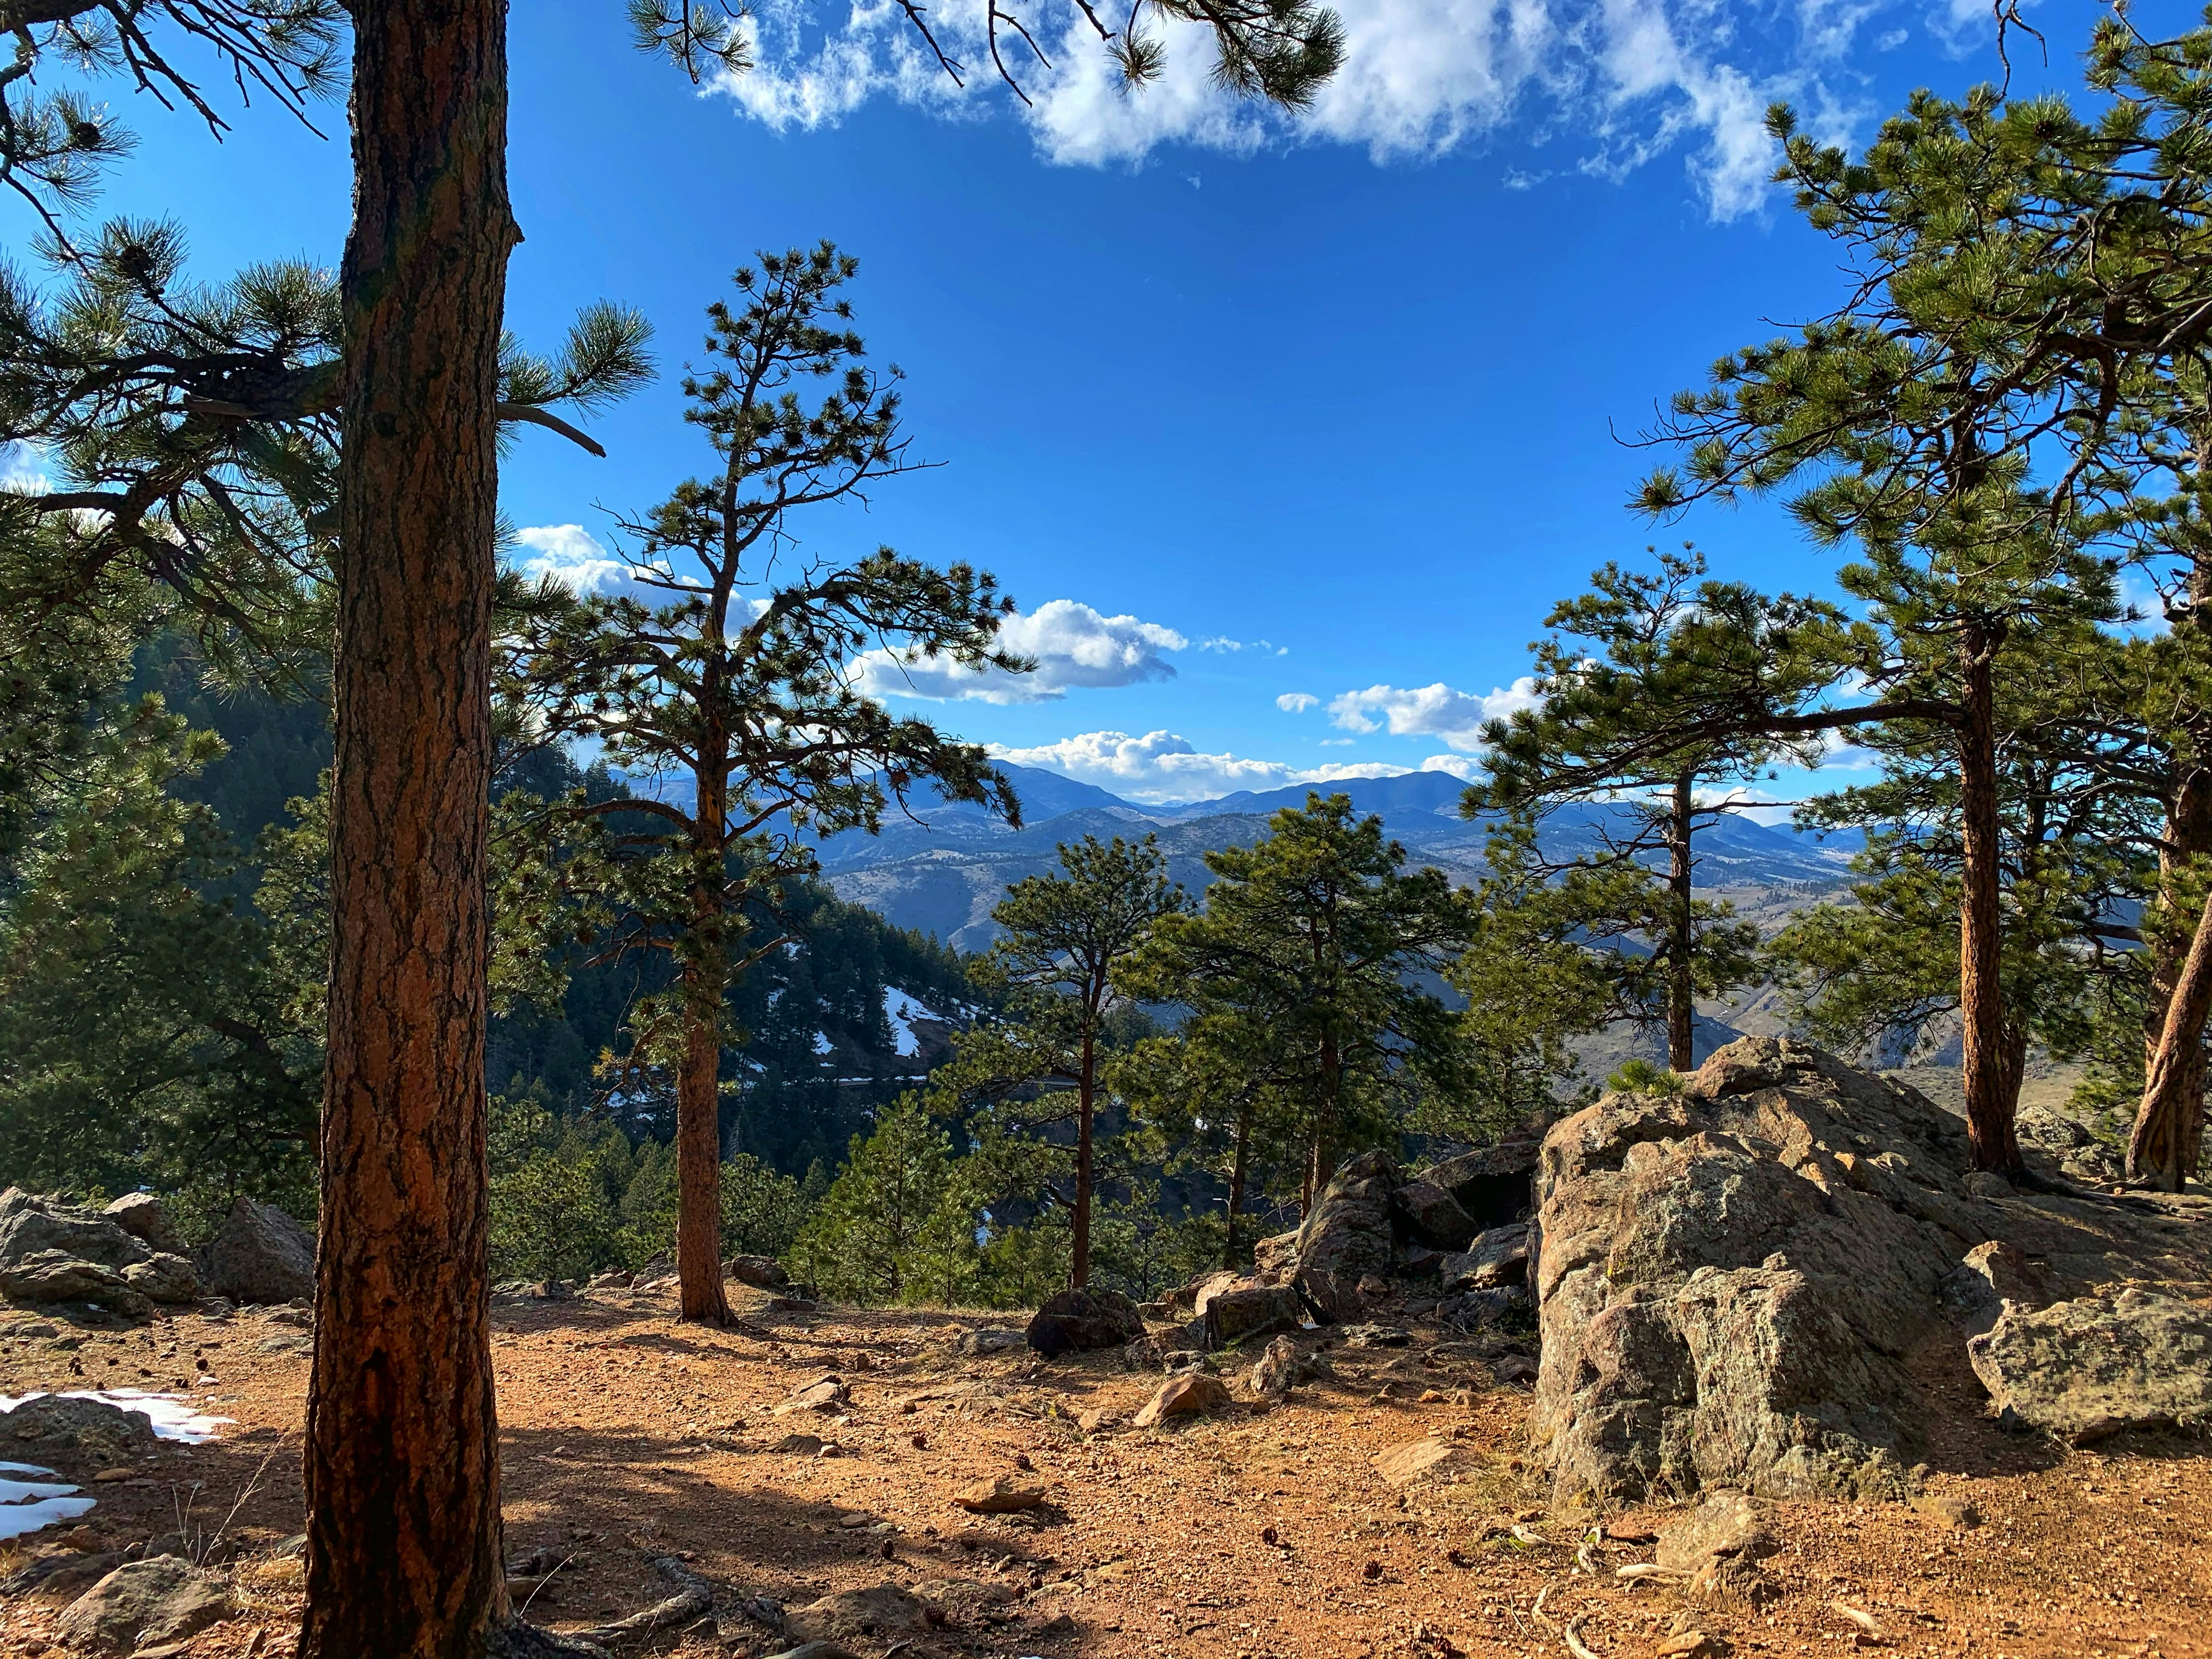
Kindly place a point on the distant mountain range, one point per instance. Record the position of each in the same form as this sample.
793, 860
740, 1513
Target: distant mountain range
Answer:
943, 869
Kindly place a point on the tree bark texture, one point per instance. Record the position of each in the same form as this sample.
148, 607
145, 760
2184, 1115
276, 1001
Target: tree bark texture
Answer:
700, 1293
2167, 1139
1995, 1053
1681, 1004
1086, 1101
402, 1464
1236, 1178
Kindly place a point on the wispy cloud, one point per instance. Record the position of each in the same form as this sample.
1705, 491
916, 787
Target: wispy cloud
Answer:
1433, 711
1296, 702
1605, 85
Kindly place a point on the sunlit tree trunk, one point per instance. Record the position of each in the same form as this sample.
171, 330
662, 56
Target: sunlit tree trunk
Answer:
699, 1290
1995, 1053
402, 1460
1681, 979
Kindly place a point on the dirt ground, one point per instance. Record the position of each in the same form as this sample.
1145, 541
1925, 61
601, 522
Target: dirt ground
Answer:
1256, 1533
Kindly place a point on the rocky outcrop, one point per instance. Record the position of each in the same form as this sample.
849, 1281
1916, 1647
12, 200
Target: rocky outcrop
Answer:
1079, 1321
1494, 1186
2094, 1365
1429, 1215
259, 1256
1732, 1280
145, 1217
1499, 1256
53, 1251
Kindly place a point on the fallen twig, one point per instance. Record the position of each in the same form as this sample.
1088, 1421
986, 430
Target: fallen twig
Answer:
1574, 1642
1645, 1569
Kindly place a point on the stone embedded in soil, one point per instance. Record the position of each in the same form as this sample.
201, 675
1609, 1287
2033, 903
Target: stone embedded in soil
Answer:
1949, 1509
1432, 1458
142, 1605
992, 1338
2090, 1367
829, 1394
1185, 1395
999, 1496
89, 1432
1729, 1524
881, 1613
1248, 1309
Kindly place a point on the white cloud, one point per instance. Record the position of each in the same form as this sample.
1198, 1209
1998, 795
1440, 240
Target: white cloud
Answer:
22, 471
572, 555
1296, 702
1263, 648
1160, 766
1458, 765
1434, 711
1607, 85
1072, 645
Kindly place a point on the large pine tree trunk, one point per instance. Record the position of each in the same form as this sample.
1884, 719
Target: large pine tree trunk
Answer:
1681, 1004
1236, 1182
2168, 1140
699, 1290
1079, 1271
1995, 1053
401, 1465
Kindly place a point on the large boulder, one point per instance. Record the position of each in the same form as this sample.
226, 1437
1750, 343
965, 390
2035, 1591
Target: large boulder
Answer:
1349, 1235
1494, 1186
2094, 1366
164, 1278
145, 1217
260, 1254
1752, 1283
760, 1271
1076, 1321
143, 1604
44, 1276
1499, 1256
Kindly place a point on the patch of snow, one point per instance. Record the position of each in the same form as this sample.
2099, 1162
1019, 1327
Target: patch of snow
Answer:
18, 1517
901, 1009
171, 1415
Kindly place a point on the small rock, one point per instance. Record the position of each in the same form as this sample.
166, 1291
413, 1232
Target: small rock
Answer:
829, 1394
1097, 1419
1950, 1511
141, 1605
1515, 1368
1184, 1394
1248, 1309
1376, 1336
1690, 1644
1729, 1525
1280, 1369
1432, 1458
999, 1496
992, 1338
799, 1445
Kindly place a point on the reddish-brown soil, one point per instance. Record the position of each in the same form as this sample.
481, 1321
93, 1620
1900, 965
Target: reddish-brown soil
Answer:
1247, 1533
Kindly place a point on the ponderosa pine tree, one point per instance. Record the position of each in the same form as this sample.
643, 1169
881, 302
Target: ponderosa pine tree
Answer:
1305, 960
739, 685
1036, 1070
1640, 654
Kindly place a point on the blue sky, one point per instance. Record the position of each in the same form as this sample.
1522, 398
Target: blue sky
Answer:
1285, 433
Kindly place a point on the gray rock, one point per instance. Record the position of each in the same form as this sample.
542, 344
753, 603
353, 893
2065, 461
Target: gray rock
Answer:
1430, 1214
44, 1276
1376, 1336
143, 1604
163, 1277
260, 1254
993, 1339
1279, 1370
2094, 1365
31, 1224
1499, 1256
1723, 1299
1495, 1186
1992, 1274
1350, 1235
1249, 1309
145, 1217
1729, 1525
89, 1432
1081, 1320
